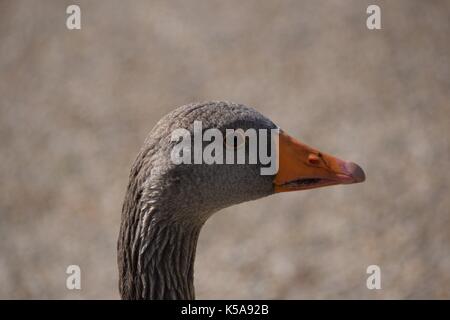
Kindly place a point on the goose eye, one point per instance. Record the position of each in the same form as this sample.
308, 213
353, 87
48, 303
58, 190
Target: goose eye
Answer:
314, 159
236, 140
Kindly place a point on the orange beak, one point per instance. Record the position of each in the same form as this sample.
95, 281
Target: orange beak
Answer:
302, 167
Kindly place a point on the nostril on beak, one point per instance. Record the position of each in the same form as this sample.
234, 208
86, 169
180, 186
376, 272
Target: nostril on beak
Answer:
313, 159
355, 171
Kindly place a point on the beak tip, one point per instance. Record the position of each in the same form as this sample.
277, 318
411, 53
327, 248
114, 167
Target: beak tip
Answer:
356, 172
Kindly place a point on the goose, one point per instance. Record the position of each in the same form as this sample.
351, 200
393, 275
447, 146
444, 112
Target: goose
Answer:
166, 204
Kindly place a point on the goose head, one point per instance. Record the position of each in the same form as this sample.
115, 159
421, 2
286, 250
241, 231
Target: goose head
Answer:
168, 201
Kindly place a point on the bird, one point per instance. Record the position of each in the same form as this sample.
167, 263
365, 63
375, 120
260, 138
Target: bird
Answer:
166, 204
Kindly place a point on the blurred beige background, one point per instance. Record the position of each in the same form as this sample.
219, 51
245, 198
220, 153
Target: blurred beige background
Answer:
75, 107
